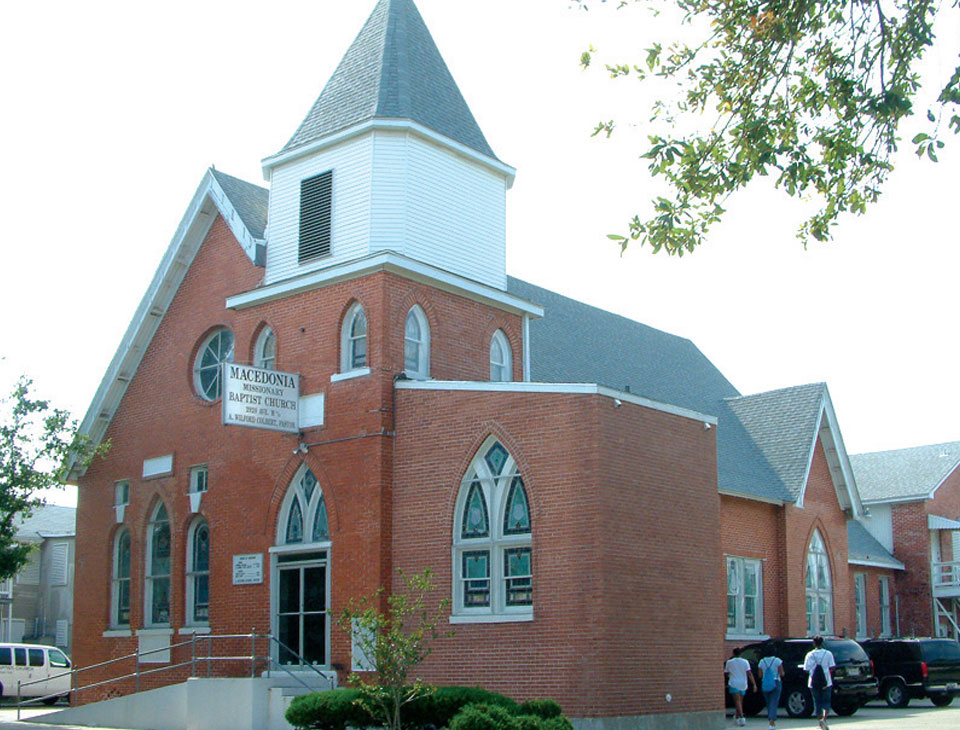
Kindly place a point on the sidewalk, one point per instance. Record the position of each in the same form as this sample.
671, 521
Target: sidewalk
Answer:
920, 715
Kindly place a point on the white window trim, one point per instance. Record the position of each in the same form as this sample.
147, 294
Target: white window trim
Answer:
495, 492
358, 373
500, 338
149, 578
197, 387
860, 604
259, 360
886, 608
740, 631
307, 514
191, 574
115, 582
817, 591
422, 371
346, 340
195, 472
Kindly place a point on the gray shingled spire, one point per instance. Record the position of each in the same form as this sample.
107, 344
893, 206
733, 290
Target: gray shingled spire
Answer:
392, 70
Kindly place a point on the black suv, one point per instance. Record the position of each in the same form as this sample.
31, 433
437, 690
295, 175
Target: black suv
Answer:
916, 668
853, 682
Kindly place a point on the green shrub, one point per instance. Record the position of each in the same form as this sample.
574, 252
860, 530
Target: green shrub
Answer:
440, 707
484, 717
557, 723
541, 708
529, 722
333, 710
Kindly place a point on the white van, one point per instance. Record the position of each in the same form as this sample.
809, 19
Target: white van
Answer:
29, 663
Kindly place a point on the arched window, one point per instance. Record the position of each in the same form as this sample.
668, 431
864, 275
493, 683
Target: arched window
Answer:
501, 362
157, 573
819, 588
492, 553
300, 579
303, 518
416, 344
198, 573
353, 340
120, 598
265, 350
215, 350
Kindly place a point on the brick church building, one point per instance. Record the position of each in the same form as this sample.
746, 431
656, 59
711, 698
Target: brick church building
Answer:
333, 378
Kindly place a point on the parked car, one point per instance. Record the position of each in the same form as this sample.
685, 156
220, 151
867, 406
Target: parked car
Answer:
853, 682
916, 668
33, 663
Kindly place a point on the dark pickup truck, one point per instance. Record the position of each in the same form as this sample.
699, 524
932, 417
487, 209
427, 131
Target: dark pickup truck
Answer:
916, 668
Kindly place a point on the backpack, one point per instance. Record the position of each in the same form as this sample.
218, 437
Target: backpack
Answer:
769, 676
818, 680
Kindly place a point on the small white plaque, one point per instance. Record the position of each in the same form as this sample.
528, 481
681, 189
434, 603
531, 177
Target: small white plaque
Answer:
157, 466
247, 569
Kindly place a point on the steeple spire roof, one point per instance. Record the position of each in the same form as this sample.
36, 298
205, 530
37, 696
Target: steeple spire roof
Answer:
393, 70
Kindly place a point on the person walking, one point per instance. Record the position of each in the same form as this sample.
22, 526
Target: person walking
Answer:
738, 674
818, 664
770, 670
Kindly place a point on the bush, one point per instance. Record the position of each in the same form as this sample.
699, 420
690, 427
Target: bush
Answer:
440, 707
556, 723
484, 717
529, 722
333, 710
541, 708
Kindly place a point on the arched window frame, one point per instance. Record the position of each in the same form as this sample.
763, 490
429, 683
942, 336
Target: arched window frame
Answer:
498, 546
354, 345
216, 349
416, 350
819, 588
309, 502
120, 581
265, 350
501, 358
197, 578
156, 574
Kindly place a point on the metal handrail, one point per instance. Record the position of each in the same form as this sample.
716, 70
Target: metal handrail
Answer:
138, 672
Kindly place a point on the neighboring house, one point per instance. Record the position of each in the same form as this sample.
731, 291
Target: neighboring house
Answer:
37, 605
914, 500
592, 494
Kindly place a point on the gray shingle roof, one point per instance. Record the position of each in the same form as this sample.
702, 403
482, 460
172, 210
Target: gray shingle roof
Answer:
784, 423
864, 547
904, 473
49, 519
249, 200
392, 70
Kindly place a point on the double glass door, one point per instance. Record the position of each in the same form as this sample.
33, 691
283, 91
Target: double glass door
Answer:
302, 610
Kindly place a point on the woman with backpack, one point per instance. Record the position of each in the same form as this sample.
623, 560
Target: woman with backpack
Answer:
817, 664
770, 669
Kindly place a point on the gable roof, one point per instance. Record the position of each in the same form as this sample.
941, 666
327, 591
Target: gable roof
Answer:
393, 70
905, 474
864, 549
49, 520
239, 203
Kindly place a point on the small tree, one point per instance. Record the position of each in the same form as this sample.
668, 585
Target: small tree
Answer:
37, 444
393, 644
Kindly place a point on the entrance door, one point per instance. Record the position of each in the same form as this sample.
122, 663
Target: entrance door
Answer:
302, 610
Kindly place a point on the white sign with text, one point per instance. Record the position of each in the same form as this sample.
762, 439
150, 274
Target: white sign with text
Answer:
247, 569
258, 398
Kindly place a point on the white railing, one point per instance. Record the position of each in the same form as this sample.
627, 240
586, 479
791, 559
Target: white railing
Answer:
946, 578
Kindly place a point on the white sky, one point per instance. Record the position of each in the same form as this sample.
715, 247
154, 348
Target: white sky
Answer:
114, 110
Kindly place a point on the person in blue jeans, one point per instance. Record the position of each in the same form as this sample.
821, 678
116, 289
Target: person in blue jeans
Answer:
819, 664
770, 670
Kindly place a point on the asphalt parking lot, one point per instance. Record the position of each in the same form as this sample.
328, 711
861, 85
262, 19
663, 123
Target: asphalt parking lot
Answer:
920, 715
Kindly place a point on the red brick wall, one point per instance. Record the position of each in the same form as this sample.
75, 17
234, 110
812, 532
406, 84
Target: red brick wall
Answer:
872, 575
249, 470
911, 545
615, 591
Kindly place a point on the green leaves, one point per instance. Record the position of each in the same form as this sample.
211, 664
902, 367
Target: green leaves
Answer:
813, 92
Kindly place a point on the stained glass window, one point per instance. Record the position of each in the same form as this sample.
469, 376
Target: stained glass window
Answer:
121, 580
516, 517
518, 576
818, 588
158, 568
476, 521
476, 578
496, 457
321, 526
295, 523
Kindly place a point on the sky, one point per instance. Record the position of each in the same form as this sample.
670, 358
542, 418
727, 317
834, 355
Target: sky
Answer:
115, 110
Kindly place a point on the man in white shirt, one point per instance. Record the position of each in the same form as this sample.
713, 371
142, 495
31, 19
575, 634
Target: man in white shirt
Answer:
738, 674
820, 682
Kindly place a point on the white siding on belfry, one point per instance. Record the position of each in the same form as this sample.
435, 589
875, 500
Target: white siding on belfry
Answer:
396, 191
351, 163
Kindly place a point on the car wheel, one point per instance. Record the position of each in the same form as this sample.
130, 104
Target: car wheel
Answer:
799, 702
845, 709
941, 700
895, 693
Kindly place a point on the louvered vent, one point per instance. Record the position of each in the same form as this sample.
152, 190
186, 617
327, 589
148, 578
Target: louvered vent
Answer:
316, 195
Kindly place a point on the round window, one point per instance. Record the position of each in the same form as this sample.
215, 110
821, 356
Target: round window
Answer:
215, 350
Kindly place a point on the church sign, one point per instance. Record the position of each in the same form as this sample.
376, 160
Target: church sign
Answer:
258, 398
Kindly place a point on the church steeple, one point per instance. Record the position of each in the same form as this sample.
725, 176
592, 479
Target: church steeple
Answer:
393, 70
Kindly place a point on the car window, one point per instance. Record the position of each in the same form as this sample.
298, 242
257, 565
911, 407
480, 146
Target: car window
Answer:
36, 657
846, 651
934, 651
20, 656
6, 658
795, 651
58, 658
751, 654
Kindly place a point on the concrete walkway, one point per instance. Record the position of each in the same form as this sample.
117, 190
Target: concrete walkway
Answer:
920, 715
